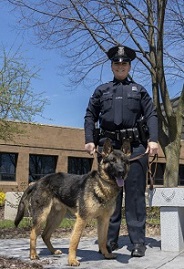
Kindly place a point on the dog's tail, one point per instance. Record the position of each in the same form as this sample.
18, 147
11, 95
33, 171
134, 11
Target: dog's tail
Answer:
23, 205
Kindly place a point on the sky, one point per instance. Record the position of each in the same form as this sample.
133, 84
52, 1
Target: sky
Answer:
66, 108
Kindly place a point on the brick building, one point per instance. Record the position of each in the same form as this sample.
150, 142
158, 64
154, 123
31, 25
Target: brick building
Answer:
43, 149
39, 150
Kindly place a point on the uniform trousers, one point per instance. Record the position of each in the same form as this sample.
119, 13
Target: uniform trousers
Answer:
135, 204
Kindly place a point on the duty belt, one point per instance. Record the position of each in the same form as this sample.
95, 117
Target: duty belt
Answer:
131, 134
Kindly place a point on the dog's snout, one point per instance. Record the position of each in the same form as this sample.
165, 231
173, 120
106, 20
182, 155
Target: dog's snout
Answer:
121, 171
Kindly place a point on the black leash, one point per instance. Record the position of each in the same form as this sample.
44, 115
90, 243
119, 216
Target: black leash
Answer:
138, 157
151, 175
130, 160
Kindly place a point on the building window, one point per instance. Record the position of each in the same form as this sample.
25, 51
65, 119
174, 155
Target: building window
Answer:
160, 169
79, 166
181, 175
8, 163
41, 165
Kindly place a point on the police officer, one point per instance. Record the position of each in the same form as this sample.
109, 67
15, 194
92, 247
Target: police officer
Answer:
118, 106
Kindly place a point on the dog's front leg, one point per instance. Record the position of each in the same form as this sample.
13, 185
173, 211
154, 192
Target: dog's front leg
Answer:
103, 225
80, 224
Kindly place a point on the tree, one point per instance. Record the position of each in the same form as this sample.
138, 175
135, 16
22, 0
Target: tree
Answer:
17, 100
81, 29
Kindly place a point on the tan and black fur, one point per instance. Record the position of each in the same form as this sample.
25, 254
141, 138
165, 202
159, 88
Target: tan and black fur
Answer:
88, 196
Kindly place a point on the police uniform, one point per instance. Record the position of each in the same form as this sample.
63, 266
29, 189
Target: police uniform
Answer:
118, 106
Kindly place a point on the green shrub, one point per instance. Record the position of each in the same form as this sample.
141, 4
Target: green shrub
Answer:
2, 198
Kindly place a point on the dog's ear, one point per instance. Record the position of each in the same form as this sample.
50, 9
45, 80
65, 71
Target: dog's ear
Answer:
126, 148
107, 147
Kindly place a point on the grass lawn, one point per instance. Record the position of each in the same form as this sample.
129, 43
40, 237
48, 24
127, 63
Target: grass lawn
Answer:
153, 218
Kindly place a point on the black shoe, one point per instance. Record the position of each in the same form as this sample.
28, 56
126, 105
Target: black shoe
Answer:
112, 246
138, 250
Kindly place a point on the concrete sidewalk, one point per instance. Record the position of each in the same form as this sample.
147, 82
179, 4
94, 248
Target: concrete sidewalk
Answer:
90, 258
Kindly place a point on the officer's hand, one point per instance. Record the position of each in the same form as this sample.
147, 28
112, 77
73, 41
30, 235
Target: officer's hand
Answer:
90, 148
152, 148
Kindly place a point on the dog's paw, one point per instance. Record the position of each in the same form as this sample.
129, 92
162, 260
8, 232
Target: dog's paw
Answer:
34, 256
73, 262
57, 252
110, 256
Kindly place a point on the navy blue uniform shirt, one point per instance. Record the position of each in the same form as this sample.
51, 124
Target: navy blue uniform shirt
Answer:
135, 101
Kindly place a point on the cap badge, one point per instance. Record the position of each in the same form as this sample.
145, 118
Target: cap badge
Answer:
121, 51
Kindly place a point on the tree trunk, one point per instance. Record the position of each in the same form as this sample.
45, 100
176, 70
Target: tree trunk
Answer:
171, 175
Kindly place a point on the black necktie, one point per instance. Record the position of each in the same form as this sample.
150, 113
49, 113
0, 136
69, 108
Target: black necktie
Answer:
118, 105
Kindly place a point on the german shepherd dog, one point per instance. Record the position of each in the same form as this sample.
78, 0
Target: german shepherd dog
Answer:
88, 196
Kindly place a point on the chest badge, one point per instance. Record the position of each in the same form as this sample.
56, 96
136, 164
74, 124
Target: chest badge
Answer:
134, 89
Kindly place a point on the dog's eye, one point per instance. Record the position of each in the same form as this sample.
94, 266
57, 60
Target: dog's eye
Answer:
125, 160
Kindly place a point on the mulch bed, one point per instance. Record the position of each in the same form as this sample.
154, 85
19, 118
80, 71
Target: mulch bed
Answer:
7, 263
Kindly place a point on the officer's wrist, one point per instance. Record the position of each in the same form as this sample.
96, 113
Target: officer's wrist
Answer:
153, 140
87, 141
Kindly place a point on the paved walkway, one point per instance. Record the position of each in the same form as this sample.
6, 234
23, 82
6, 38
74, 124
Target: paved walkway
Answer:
90, 258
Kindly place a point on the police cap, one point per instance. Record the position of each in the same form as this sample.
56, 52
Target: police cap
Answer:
121, 54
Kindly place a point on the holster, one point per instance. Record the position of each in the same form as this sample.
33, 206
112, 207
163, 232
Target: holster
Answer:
143, 129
